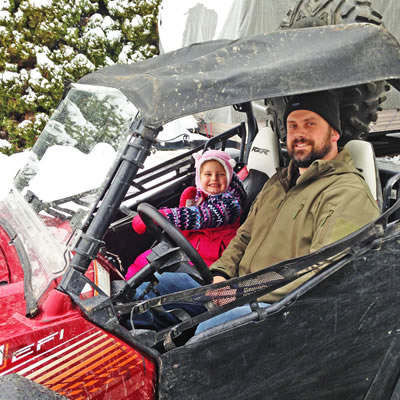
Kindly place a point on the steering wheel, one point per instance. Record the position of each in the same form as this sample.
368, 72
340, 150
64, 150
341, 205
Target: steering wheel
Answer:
161, 229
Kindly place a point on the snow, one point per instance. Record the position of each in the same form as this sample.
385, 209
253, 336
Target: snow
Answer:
81, 59
76, 172
35, 76
25, 123
93, 35
8, 76
136, 21
41, 3
43, 60
29, 97
108, 61
107, 23
124, 55
9, 166
64, 171
11, 67
4, 4
74, 165
4, 144
114, 36
5, 16
118, 6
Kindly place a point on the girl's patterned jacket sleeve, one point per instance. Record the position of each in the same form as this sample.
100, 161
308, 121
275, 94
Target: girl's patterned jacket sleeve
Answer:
215, 211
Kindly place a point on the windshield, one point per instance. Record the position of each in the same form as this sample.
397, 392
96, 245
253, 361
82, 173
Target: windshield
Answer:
64, 174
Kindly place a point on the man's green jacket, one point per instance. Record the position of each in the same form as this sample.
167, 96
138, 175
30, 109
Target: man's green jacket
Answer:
328, 201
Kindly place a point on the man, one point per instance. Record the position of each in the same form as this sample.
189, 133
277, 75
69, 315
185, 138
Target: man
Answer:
320, 198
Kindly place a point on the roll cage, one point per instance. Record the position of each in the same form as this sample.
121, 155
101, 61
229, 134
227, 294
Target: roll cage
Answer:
212, 75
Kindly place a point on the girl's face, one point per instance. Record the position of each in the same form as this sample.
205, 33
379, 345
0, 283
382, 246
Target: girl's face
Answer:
213, 177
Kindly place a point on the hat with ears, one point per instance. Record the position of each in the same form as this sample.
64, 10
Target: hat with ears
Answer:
214, 155
324, 103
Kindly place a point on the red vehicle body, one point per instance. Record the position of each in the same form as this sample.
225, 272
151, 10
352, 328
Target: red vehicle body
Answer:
44, 336
62, 350
10, 268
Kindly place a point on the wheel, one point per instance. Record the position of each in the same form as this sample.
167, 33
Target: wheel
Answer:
163, 230
358, 104
17, 387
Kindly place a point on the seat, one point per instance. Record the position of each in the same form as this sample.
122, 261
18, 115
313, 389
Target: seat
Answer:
363, 156
262, 163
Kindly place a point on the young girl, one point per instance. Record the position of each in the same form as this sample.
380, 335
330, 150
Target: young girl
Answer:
208, 214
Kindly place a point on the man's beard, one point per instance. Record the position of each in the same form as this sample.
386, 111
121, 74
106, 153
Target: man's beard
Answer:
304, 161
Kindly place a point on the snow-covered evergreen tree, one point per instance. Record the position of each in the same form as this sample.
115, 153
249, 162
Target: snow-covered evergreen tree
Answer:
44, 44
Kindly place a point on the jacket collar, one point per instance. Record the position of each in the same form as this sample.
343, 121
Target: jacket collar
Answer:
342, 163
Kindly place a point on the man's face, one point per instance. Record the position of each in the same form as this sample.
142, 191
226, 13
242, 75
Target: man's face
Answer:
310, 138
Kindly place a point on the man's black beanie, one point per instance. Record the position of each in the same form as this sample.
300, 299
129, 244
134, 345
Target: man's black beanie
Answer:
324, 104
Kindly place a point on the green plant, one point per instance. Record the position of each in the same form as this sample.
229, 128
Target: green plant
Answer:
46, 44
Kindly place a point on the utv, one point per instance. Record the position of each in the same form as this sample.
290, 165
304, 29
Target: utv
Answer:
64, 329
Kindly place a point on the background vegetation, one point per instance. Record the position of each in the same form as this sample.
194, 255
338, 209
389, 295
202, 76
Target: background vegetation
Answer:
45, 44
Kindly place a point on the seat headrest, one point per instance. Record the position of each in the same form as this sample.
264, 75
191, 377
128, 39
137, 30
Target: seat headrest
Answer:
264, 152
363, 157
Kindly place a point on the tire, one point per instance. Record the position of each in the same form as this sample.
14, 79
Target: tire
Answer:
358, 104
17, 387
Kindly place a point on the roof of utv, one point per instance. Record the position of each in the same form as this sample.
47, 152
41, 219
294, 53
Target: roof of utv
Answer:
224, 72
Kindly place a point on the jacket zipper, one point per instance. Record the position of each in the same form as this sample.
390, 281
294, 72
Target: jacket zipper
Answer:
326, 218
323, 227
297, 212
295, 229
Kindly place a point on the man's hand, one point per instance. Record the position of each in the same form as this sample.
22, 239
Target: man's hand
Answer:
218, 279
221, 296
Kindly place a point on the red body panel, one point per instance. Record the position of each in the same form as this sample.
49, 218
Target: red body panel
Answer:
10, 266
59, 348
66, 353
